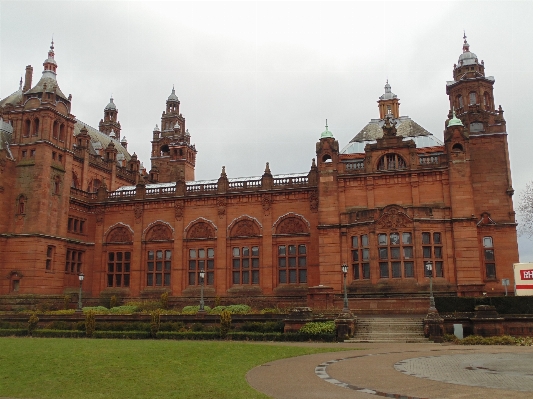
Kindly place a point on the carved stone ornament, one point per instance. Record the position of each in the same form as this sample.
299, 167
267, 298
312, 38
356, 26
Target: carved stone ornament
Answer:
292, 225
393, 218
201, 230
99, 216
138, 211
313, 201
221, 204
389, 129
159, 232
179, 210
119, 235
266, 202
245, 228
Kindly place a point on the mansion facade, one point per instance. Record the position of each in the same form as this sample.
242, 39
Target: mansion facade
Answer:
392, 201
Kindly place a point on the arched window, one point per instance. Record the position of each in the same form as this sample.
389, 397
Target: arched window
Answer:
75, 183
57, 185
27, 128
459, 102
36, 126
391, 162
62, 132
326, 158
201, 253
245, 236
486, 101
291, 248
55, 130
457, 147
473, 98
21, 205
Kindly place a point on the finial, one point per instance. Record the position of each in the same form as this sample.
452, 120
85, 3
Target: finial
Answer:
464, 35
267, 168
223, 174
313, 164
173, 91
20, 84
52, 46
326, 124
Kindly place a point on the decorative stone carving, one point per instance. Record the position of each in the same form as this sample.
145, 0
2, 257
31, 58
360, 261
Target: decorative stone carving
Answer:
389, 129
201, 230
179, 207
119, 235
99, 216
245, 228
292, 225
393, 218
159, 232
221, 205
313, 201
138, 211
266, 202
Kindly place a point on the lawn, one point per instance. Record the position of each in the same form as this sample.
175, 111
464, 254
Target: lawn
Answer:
89, 368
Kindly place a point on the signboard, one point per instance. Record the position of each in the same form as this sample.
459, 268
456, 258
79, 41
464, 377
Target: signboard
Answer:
523, 277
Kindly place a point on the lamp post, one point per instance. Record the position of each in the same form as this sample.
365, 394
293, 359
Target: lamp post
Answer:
344, 268
202, 274
429, 268
80, 277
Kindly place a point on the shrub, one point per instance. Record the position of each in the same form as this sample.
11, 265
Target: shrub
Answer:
155, 322
125, 309
90, 323
123, 326
145, 306
96, 309
192, 335
217, 309
58, 334
318, 328
122, 334
225, 322
60, 325
194, 309
14, 332
172, 326
32, 323
254, 336
112, 301
217, 301
66, 301
197, 327
164, 300
239, 309
262, 327
62, 311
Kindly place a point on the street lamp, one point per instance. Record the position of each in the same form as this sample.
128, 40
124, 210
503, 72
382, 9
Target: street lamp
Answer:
344, 268
202, 274
429, 268
80, 276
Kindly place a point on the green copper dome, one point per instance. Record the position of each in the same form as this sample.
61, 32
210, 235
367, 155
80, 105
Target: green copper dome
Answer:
455, 121
326, 133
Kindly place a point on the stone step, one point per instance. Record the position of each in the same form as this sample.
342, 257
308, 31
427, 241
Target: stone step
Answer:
389, 329
372, 340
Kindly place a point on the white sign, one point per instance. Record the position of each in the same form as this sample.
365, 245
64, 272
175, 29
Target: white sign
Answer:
523, 277
505, 281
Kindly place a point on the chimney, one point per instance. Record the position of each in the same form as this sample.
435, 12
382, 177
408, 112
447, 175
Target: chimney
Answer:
27, 79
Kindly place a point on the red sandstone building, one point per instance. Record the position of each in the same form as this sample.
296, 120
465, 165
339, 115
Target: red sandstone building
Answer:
73, 199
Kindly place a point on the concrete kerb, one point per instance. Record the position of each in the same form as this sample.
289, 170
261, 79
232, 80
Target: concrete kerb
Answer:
370, 372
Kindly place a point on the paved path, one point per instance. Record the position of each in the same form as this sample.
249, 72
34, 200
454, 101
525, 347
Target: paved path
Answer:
406, 370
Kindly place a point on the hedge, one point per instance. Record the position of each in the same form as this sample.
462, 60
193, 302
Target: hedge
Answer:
193, 335
58, 334
122, 334
503, 304
13, 332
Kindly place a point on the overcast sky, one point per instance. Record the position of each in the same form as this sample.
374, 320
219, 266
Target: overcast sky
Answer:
257, 81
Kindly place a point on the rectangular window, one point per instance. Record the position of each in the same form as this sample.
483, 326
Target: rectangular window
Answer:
432, 253
397, 248
50, 250
292, 264
396, 269
409, 270
73, 261
360, 254
489, 258
245, 267
201, 259
118, 269
366, 271
158, 266
384, 270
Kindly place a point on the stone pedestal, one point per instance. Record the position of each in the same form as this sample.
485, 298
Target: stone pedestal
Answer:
434, 325
345, 325
297, 318
320, 297
487, 322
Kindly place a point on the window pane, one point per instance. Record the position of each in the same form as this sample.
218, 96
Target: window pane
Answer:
192, 278
245, 263
281, 250
127, 256
282, 262
158, 279
366, 271
282, 276
426, 252
210, 278
201, 253
487, 242
118, 268
302, 249
428, 269
436, 238
119, 256
384, 270
110, 280
382, 239
355, 255
491, 270
292, 262
127, 267
168, 255
167, 266
150, 255
292, 276
383, 253
408, 252
302, 261
201, 264
255, 263
192, 264
396, 269
302, 276
210, 264
426, 238
394, 239
159, 255
245, 278
111, 256
355, 271
364, 240
210, 252
159, 266
395, 253
255, 251
489, 254
355, 242
126, 280
366, 254
236, 277
438, 252
292, 249
245, 251
439, 272
236, 251
255, 277
110, 267
118, 280
407, 238
236, 263
192, 253
167, 279
150, 279
409, 269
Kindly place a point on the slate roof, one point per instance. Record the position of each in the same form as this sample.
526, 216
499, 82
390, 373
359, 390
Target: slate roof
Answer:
100, 140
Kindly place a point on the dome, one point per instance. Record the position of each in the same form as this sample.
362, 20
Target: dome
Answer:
111, 105
455, 121
173, 96
326, 133
467, 58
389, 95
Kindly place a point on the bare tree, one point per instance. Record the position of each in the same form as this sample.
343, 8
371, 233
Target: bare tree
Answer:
525, 211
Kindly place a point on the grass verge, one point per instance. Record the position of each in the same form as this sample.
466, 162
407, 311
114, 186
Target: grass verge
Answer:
114, 369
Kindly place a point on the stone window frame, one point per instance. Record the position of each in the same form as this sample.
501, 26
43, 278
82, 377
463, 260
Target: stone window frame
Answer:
158, 269
433, 251
396, 254
360, 256
489, 258
243, 254
203, 258
74, 261
288, 262
118, 271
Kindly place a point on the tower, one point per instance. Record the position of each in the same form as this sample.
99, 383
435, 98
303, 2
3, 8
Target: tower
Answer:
388, 103
110, 124
173, 155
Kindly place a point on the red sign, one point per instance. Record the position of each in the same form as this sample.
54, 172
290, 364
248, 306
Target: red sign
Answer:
526, 274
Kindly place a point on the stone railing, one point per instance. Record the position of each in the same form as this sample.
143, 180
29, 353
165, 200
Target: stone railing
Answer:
80, 194
96, 160
355, 166
201, 188
244, 184
126, 174
121, 194
430, 160
164, 191
289, 181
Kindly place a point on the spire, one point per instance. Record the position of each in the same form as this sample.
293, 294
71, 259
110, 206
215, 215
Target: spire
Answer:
267, 169
20, 84
466, 46
173, 96
326, 133
50, 64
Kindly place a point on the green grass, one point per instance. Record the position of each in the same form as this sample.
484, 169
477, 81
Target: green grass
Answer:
87, 368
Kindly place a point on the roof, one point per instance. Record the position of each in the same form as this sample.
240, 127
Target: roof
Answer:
358, 147
13, 98
100, 140
5, 134
50, 81
111, 104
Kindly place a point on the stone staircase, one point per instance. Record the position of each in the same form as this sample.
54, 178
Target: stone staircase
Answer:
389, 329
